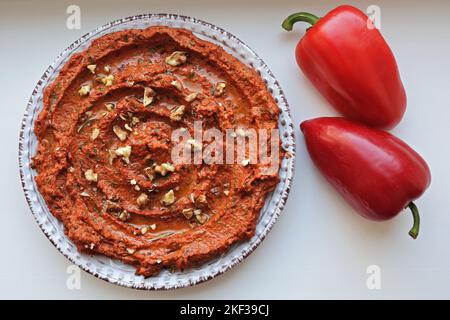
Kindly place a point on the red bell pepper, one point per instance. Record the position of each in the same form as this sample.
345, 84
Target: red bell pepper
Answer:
350, 63
377, 173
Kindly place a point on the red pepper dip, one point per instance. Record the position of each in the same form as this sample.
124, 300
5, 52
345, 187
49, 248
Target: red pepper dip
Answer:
104, 157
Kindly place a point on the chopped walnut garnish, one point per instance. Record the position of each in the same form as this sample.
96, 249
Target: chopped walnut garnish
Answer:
131, 251
108, 80
111, 156
124, 215
142, 200
160, 170
109, 106
191, 97
200, 216
90, 175
153, 226
127, 127
177, 114
95, 133
121, 134
187, 213
107, 69
144, 230
245, 162
219, 88
124, 152
226, 192
149, 173
85, 194
71, 169
111, 206
133, 182
92, 68
130, 83
176, 58
164, 168
84, 90
149, 94
134, 121
201, 198
177, 84
168, 198
168, 167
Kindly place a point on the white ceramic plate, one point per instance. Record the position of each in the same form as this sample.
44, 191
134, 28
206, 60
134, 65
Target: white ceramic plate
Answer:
115, 271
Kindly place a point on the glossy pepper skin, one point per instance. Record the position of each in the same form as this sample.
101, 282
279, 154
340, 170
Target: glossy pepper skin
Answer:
352, 66
376, 172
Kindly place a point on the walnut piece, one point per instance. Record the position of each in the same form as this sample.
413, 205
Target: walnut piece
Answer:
176, 58
149, 172
177, 84
149, 94
124, 152
92, 68
109, 106
142, 200
177, 114
168, 198
121, 134
108, 80
90, 175
219, 88
200, 216
188, 213
84, 90
201, 198
164, 168
95, 133
124, 215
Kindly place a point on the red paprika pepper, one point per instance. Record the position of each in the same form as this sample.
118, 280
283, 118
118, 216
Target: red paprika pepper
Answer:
377, 173
349, 62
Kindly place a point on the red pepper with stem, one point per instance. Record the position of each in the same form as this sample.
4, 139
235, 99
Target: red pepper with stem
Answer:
376, 172
350, 63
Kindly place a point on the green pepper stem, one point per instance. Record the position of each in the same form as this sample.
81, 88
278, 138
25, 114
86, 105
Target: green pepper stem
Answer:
414, 232
299, 16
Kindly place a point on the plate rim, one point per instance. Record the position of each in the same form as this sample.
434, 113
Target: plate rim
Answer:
289, 170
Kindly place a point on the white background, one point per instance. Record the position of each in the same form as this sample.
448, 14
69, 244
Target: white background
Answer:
319, 248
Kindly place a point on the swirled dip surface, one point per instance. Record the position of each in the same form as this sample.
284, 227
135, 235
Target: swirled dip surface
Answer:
104, 157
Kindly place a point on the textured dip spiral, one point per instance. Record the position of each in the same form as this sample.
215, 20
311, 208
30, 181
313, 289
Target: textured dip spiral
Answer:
104, 161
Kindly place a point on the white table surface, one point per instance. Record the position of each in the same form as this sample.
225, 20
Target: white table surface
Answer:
318, 248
